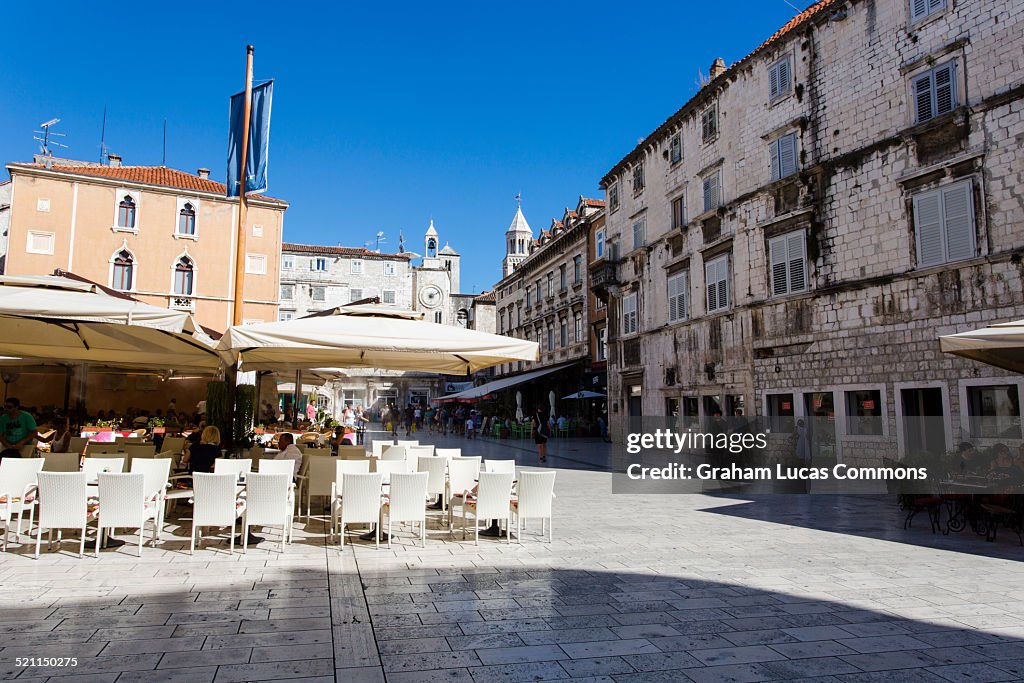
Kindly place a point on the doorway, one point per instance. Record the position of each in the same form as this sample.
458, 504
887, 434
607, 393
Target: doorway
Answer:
635, 401
923, 421
820, 408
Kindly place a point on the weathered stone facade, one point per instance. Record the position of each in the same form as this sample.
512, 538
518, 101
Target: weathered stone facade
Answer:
880, 164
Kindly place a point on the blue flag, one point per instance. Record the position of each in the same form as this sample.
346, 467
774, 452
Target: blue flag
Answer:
259, 140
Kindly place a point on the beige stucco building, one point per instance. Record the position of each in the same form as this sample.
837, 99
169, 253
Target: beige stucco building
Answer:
162, 235
795, 237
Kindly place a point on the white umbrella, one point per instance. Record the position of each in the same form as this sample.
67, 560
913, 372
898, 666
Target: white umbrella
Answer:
52, 318
368, 336
1001, 345
579, 395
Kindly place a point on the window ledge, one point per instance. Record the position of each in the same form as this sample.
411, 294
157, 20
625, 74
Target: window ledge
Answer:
131, 231
956, 117
178, 236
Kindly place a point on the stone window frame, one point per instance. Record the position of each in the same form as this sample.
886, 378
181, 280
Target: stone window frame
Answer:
777, 156
136, 197
631, 314
683, 275
384, 296
180, 203
920, 11
675, 149
799, 236
613, 197
941, 190
33, 234
782, 65
639, 179
709, 128
252, 258
930, 73
291, 288
727, 279
842, 390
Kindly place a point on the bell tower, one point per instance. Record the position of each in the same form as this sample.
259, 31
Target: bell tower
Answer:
518, 239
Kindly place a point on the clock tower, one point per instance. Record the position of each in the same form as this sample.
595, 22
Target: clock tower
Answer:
518, 240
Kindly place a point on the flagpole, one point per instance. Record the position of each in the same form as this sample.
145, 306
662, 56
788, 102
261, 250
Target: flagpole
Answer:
240, 228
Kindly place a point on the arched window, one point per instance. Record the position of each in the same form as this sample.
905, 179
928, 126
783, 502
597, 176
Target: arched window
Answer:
431, 247
187, 220
126, 213
184, 274
124, 269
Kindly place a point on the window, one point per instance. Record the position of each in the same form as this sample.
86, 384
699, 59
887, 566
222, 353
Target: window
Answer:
256, 264
187, 220
599, 244
779, 79
678, 297
675, 149
287, 262
551, 338
355, 295
780, 413
501, 323
709, 123
357, 266
537, 300
563, 333
286, 315
257, 230
577, 328
438, 318
934, 92
319, 264
864, 412
287, 292
713, 191
43, 204
126, 213
919, 9
389, 268
388, 296
716, 277
318, 294
944, 224
994, 411
184, 276
577, 269
551, 284
782, 155
788, 256
528, 299
629, 313
613, 197
602, 343
679, 212
124, 270
639, 233
638, 178
562, 282
39, 242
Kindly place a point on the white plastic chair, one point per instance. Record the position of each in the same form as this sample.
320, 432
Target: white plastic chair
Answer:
534, 493
406, 502
124, 503
320, 473
18, 491
277, 467
389, 467
378, 445
462, 474
237, 466
448, 452
268, 502
77, 444
499, 466
213, 504
63, 505
93, 466
413, 454
62, 462
156, 472
342, 468
491, 501
436, 467
360, 503
396, 453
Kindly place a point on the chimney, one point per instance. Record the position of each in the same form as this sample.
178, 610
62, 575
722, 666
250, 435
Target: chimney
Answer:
114, 160
203, 173
717, 68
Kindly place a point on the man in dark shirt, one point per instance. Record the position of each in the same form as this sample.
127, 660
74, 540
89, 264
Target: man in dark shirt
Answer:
17, 429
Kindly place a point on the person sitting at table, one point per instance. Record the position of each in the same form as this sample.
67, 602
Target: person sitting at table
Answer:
1003, 472
61, 440
200, 457
289, 451
966, 457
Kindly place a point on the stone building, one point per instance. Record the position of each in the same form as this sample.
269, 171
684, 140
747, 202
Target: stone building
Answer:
794, 238
315, 278
544, 298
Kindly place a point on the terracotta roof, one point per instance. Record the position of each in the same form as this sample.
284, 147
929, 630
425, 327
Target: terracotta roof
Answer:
790, 26
598, 203
357, 252
152, 175
487, 297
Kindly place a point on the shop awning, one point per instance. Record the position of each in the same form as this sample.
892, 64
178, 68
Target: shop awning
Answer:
480, 392
1001, 345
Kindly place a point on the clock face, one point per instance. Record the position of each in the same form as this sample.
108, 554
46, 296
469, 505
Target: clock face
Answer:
430, 296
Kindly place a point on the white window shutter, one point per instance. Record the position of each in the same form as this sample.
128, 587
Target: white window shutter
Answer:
787, 155
959, 221
773, 153
928, 221
777, 255
918, 9
923, 97
934, 5
773, 82
945, 88
707, 195
711, 280
796, 247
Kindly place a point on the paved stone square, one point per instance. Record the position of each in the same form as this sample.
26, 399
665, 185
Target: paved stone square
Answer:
633, 588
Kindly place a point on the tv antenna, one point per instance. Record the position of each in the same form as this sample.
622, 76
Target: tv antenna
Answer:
44, 141
378, 240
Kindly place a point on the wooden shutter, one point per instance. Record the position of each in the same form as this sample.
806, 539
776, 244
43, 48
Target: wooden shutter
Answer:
773, 82
784, 76
717, 280
707, 194
773, 153
928, 222
796, 247
711, 284
711, 194
918, 9
945, 88
922, 86
787, 155
958, 215
677, 294
777, 256
723, 283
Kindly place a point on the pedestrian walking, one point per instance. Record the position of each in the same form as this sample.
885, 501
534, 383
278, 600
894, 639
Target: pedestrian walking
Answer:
541, 431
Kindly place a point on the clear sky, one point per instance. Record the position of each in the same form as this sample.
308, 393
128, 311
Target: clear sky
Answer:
385, 114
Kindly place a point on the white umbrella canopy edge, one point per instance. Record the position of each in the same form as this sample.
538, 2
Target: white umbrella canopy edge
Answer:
1000, 344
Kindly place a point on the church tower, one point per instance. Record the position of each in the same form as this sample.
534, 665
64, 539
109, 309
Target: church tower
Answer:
518, 239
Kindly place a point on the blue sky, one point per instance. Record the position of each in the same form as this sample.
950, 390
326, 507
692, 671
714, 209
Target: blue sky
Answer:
385, 115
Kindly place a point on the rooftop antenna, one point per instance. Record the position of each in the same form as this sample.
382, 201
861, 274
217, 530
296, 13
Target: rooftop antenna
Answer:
44, 142
103, 137
791, 5
519, 197
379, 239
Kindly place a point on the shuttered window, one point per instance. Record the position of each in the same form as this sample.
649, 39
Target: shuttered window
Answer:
675, 149
679, 212
640, 233
712, 191
782, 154
716, 277
678, 297
638, 178
935, 92
709, 123
780, 79
944, 224
788, 256
629, 314
919, 9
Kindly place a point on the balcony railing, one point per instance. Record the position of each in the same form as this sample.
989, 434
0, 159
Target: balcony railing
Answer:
183, 303
602, 276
